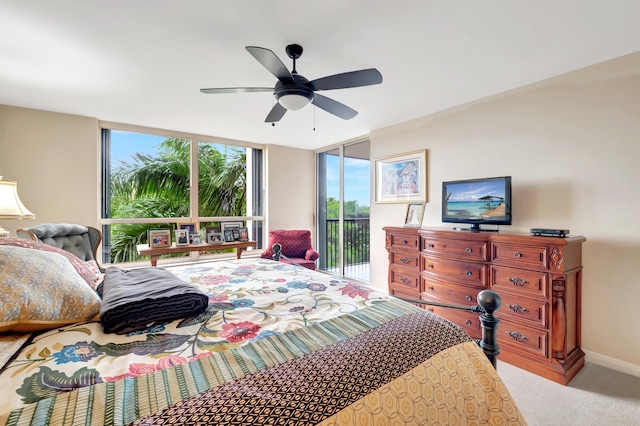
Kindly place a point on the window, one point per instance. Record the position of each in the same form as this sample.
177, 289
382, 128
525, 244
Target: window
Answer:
160, 181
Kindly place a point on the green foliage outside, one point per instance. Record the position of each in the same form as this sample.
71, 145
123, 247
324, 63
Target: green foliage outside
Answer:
157, 186
356, 232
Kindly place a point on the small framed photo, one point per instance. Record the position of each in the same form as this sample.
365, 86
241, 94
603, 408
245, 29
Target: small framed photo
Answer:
235, 226
414, 214
215, 237
182, 237
195, 238
190, 227
228, 235
243, 233
159, 238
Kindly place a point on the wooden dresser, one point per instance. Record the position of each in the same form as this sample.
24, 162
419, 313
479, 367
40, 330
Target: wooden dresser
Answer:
538, 279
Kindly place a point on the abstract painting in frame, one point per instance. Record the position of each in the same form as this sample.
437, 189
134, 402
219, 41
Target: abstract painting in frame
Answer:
401, 178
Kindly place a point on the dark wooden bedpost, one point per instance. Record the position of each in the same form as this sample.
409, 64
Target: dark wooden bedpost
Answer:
277, 251
489, 301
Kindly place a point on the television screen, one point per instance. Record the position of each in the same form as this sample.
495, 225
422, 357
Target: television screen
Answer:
477, 201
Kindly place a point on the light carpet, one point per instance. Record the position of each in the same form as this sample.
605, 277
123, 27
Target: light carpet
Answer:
596, 396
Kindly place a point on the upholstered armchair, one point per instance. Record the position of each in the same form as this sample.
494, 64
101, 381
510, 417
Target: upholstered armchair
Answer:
83, 241
296, 245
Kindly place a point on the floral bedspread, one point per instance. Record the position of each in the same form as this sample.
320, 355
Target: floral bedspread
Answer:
249, 299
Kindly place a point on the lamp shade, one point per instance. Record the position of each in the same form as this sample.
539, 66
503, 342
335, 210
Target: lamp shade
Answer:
10, 205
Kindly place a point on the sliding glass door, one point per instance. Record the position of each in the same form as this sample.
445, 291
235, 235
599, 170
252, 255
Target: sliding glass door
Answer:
343, 210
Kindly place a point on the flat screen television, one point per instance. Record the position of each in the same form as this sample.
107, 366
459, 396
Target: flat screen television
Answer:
476, 202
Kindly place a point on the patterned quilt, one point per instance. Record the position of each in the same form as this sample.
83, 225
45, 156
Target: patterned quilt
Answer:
277, 344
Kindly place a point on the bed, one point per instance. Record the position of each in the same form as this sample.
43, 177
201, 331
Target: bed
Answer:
274, 344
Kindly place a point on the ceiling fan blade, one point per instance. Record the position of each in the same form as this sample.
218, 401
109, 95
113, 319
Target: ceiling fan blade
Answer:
236, 90
270, 61
348, 79
334, 107
276, 113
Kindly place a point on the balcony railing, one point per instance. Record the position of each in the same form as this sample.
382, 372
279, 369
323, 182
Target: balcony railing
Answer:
355, 247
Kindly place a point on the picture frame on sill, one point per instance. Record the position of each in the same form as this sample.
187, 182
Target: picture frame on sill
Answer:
243, 233
233, 225
413, 217
401, 178
215, 237
159, 238
195, 238
228, 235
182, 237
190, 227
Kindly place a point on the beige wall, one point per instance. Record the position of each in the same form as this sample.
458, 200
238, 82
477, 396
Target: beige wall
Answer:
54, 158
572, 146
291, 188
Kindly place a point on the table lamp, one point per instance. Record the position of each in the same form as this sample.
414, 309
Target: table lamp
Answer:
10, 205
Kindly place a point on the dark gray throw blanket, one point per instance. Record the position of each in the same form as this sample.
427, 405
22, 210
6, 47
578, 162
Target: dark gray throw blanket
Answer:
134, 299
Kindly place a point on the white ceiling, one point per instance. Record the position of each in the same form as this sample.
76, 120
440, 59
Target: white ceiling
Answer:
143, 62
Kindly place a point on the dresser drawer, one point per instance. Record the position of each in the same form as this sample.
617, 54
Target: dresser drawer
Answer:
518, 337
450, 293
467, 273
405, 278
469, 321
404, 258
477, 251
521, 282
524, 310
399, 240
521, 256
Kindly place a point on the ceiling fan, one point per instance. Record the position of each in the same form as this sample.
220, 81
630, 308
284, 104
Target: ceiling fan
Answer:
293, 92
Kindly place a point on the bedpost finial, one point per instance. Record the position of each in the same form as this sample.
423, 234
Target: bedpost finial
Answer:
489, 300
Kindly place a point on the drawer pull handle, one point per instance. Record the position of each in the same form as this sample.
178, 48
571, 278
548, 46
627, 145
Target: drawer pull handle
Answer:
468, 250
430, 288
517, 336
403, 241
468, 298
431, 246
430, 266
468, 273
404, 260
405, 280
516, 255
468, 323
518, 309
430, 309
518, 281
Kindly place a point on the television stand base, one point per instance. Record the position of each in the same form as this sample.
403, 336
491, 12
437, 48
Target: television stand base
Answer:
476, 229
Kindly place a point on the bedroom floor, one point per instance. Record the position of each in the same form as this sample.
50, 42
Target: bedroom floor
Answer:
596, 396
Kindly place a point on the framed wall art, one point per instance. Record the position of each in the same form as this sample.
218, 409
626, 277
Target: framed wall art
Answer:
413, 218
401, 178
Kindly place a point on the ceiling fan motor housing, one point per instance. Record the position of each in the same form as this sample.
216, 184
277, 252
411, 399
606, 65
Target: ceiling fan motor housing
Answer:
293, 96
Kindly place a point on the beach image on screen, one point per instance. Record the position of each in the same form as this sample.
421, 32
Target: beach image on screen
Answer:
475, 200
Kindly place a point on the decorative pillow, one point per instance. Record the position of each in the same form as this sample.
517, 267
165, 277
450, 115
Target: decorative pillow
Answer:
294, 242
85, 270
98, 275
40, 290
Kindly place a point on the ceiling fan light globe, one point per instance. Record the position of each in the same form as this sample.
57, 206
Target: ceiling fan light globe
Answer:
294, 102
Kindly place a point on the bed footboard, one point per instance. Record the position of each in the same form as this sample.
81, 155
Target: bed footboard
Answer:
488, 302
